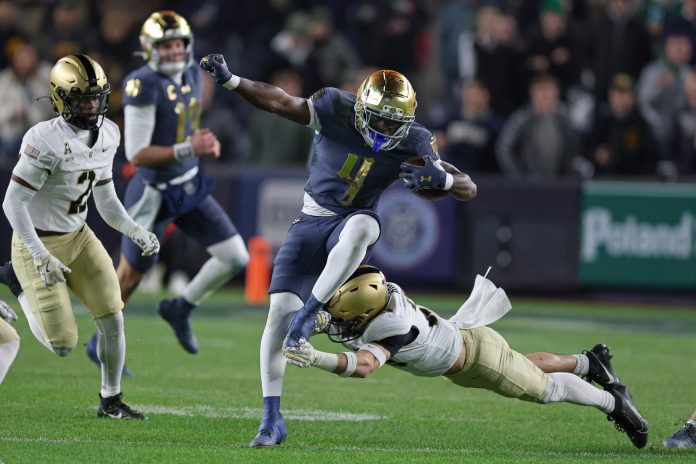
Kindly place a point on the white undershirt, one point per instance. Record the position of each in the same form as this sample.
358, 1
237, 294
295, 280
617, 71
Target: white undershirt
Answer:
139, 127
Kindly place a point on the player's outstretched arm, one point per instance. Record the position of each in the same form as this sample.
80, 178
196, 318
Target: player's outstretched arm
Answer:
112, 211
348, 364
263, 96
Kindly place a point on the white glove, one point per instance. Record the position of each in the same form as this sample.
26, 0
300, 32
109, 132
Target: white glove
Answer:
6, 312
304, 356
50, 269
146, 240
321, 323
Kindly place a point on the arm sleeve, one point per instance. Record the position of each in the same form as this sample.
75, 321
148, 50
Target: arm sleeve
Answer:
139, 127
15, 206
111, 209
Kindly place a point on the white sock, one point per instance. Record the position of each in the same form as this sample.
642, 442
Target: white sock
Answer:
283, 306
8, 352
583, 365
228, 258
360, 232
111, 349
33, 323
569, 388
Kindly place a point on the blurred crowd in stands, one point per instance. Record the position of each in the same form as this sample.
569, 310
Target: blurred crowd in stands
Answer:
530, 88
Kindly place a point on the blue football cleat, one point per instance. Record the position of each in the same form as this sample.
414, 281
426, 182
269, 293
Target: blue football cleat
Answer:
272, 430
684, 438
91, 352
177, 311
302, 323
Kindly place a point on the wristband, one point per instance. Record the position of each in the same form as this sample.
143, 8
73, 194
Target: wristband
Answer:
449, 181
183, 150
233, 83
326, 361
352, 360
376, 352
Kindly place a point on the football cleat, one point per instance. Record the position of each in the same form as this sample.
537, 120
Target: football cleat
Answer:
113, 408
272, 430
626, 417
91, 352
302, 323
683, 438
600, 370
177, 312
271, 433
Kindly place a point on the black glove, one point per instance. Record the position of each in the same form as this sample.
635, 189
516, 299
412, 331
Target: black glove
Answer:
215, 65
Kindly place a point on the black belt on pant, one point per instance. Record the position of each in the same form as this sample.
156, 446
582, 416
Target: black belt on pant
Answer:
48, 233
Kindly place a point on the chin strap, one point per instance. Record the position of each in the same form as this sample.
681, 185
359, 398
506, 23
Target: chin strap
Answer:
378, 141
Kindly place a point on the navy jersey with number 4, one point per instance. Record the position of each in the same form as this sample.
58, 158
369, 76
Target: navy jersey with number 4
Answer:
178, 113
346, 175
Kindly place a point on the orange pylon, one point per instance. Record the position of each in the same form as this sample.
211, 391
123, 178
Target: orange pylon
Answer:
258, 271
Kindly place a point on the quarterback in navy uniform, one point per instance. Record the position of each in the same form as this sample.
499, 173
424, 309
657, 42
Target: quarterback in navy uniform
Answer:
162, 101
360, 148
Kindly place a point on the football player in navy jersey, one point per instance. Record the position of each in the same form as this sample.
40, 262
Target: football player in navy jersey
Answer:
162, 108
360, 148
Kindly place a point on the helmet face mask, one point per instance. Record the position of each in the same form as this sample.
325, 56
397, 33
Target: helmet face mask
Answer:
162, 27
79, 91
359, 300
385, 108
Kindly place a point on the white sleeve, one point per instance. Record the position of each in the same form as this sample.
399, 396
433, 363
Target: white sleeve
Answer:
139, 126
15, 206
30, 171
314, 122
111, 209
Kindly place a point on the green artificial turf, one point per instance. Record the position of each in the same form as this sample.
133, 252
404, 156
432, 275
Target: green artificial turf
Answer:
205, 408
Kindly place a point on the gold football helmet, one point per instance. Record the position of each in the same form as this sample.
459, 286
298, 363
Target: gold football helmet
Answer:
358, 301
74, 80
385, 108
161, 26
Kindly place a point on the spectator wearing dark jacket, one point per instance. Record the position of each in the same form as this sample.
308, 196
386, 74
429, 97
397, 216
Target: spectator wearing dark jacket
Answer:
622, 142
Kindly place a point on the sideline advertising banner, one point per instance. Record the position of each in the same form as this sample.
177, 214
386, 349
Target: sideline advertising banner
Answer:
638, 234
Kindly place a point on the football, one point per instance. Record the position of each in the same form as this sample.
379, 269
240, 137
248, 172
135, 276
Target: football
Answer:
416, 161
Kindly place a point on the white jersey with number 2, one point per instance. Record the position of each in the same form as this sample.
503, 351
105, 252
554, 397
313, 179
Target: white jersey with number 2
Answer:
56, 161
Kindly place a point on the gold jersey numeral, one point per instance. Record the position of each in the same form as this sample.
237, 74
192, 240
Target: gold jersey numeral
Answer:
354, 183
193, 114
